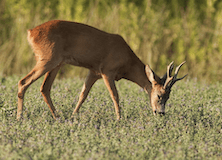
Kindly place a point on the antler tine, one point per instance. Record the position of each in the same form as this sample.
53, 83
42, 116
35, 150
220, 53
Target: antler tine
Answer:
178, 68
175, 79
168, 78
170, 68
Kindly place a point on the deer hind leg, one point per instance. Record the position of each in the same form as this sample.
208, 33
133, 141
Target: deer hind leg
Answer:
46, 87
40, 69
110, 84
90, 80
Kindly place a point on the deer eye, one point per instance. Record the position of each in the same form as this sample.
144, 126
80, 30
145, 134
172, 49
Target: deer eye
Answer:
159, 99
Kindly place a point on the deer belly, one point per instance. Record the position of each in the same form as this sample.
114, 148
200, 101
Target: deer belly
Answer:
81, 62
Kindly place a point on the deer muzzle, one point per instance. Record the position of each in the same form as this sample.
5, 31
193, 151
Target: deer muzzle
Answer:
161, 113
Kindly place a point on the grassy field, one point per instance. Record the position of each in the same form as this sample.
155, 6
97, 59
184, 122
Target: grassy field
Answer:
191, 128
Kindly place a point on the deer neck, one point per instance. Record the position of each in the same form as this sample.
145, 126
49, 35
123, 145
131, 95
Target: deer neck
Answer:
138, 75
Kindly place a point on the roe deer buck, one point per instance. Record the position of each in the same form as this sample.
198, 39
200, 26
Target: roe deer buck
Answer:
106, 56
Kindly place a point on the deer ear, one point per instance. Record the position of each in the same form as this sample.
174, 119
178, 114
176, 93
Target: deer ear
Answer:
153, 78
150, 74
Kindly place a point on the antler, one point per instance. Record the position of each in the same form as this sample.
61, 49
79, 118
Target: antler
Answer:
168, 75
173, 79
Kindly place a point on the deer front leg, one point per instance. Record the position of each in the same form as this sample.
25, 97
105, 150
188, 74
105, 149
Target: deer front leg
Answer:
45, 90
110, 84
90, 80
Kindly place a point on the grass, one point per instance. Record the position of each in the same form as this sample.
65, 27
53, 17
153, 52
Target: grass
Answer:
191, 128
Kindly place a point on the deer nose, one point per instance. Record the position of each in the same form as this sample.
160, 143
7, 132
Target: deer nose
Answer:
161, 113
154, 112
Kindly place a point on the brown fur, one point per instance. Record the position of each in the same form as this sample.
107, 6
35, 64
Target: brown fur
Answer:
106, 56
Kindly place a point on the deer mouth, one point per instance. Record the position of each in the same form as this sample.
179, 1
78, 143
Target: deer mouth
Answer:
159, 113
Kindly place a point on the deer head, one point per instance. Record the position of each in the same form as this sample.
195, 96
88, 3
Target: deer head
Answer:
161, 87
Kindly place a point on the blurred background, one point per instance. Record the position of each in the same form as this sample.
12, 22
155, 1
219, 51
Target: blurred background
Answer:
158, 31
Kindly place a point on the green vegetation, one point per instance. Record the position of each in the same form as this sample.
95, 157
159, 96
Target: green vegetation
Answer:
159, 31
191, 128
